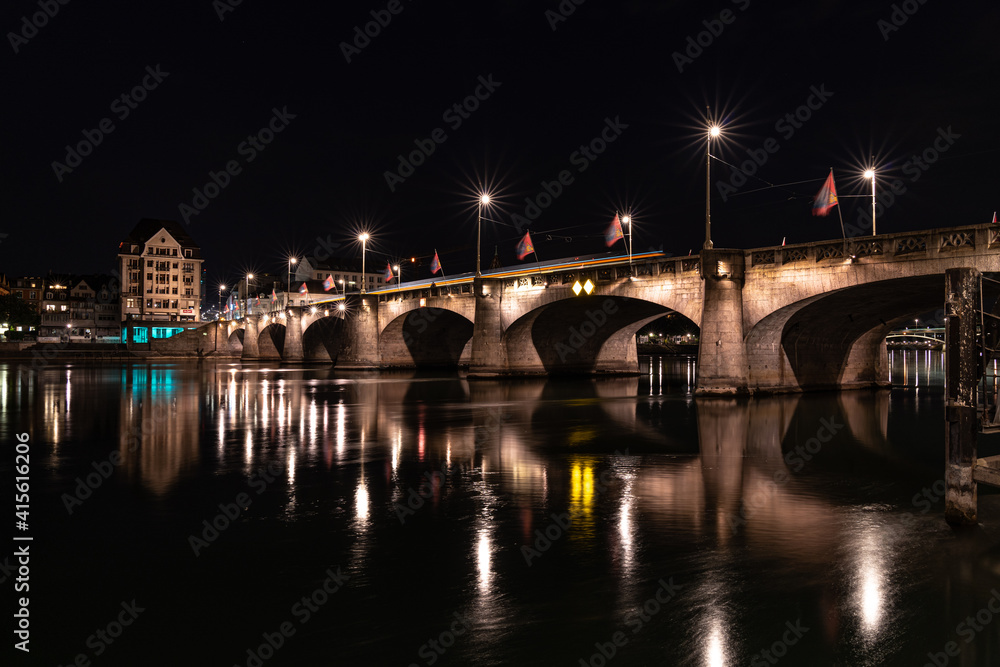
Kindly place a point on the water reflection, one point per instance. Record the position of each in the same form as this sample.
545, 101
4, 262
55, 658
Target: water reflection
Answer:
801, 493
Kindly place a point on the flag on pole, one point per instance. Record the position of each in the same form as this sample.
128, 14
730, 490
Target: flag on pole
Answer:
826, 198
436, 264
258, 299
388, 273
303, 289
274, 296
525, 247
614, 232
994, 217
328, 283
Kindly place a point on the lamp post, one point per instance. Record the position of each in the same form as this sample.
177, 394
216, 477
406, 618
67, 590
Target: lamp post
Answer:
291, 261
713, 131
399, 275
484, 199
870, 173
627, 219
364, 242
221, 288
246, 309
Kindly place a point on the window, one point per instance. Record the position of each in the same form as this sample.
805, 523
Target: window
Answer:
49, 307
149, 276
31, 295
175, 266
149, 303
173, 304
175, 291
149, 262
48, 295
62, 308
20, 295
174, 253
156, 303
175, 278
187, 252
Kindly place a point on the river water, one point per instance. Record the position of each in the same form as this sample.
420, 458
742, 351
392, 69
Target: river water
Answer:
232, 514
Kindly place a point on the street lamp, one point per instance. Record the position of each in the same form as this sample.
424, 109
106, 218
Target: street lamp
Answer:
221, 288
364, 242
246, 309
484, 200
713, 131
870, 173
291, 260
399, 276
627, 219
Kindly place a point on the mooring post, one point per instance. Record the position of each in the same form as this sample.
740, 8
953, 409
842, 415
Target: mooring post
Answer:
962, 303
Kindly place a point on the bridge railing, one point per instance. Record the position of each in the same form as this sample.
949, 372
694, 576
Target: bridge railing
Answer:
904, 245
547, 277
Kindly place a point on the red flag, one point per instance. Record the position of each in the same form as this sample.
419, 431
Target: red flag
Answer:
525, 247
614, 232
303, 289
826, 198
436, 264
328, 283
994, 217
388, 273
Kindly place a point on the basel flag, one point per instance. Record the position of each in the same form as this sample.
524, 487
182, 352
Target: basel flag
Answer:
614, 232
436, 264
388, 273
328, 283
303, 289
525, 247
274, 297
827, 197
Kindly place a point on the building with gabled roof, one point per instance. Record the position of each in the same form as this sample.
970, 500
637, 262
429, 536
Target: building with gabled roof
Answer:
161, 273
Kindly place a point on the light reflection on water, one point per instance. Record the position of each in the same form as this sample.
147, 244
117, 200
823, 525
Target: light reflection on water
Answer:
761, 516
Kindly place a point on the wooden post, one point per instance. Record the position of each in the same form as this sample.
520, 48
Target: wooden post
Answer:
962, 303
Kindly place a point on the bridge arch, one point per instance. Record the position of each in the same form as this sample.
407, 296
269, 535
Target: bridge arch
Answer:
587, 334
428, 337
837, 339
235, 340
322, 337
271, 341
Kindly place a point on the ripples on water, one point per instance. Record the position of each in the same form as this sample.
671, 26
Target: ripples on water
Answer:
444, 501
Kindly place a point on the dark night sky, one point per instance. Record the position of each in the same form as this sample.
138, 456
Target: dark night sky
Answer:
323, 175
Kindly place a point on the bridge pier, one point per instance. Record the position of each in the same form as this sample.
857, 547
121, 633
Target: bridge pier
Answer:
722, 358
293, 335
251, 330
962, 294
489, 357
360, 342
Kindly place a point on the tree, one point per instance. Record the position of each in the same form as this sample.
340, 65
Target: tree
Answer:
14, 312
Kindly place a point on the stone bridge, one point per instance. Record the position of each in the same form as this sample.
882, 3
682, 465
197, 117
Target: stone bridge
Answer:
785, 318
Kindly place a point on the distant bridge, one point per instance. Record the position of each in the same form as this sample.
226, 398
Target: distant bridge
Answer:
784, 318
